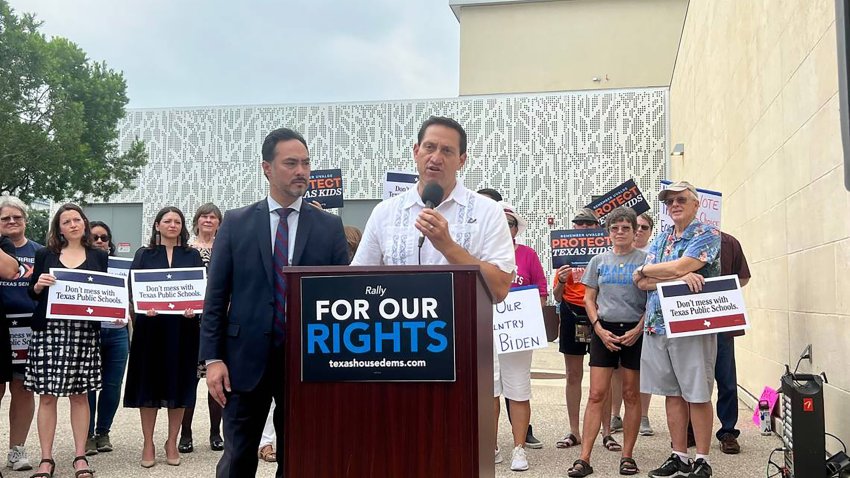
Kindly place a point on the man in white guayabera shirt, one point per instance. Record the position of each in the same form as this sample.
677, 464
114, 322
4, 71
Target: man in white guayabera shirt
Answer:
464, 228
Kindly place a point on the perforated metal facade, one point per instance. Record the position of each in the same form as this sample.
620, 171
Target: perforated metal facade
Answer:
547, 153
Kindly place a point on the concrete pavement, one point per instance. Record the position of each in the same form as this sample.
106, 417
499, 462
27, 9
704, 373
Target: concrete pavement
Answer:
549, 417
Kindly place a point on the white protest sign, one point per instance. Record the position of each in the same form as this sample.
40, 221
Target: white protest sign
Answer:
20, 334
718, 307
119, 266
169, 291
397, 182
518, 321
708, 212
87, 295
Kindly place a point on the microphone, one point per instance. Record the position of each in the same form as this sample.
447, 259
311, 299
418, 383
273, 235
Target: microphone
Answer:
432, 196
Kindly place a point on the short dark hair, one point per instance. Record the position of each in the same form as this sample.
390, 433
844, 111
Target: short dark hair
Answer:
276, 136
443, 121
102, 224
56, 240
184, 233
208, 208
621, 214
648, 219
491, 193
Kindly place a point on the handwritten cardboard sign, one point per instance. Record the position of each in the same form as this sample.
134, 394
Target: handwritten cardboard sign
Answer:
518, 321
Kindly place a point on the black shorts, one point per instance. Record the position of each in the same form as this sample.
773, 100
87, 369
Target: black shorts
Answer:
628, 357
570, 314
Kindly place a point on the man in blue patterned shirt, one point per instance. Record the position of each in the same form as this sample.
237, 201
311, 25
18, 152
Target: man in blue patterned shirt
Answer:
682, 369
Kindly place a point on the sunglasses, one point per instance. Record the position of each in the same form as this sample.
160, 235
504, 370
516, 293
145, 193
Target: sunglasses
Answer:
584, 223
512, 224
681, 200
644, 227
11, 218
100, 237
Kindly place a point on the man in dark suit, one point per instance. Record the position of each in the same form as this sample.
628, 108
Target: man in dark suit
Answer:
242, 326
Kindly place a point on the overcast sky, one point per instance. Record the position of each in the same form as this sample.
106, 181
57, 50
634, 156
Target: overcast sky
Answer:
217, 52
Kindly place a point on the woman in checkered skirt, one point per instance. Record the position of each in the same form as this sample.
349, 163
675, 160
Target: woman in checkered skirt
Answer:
64, 355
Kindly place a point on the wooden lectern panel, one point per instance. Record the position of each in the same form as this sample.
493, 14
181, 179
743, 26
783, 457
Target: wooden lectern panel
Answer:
395, 429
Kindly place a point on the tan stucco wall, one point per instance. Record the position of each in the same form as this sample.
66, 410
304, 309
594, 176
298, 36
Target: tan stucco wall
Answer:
754, 98
562, 45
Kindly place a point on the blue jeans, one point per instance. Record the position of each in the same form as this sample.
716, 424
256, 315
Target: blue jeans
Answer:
114, 348
727, 386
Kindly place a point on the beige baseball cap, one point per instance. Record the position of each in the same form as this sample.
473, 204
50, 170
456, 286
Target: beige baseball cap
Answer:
676, 188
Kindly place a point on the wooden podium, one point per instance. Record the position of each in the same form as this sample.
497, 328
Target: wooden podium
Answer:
394, 429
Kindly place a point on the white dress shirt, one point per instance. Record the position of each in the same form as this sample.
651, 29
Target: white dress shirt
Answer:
476, 223
291, 220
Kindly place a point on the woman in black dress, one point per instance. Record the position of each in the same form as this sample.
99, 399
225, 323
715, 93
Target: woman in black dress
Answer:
162, 370
64, 355
205, 226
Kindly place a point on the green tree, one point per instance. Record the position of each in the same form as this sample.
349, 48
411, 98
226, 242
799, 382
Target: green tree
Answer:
38, 222
59, 114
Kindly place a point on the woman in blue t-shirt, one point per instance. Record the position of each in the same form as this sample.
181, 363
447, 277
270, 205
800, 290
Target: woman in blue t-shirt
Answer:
114, 348
615, 307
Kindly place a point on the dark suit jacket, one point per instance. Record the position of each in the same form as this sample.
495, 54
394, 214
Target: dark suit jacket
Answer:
239, 303
96, 260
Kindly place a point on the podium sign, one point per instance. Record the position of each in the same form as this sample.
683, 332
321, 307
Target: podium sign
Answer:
378, 328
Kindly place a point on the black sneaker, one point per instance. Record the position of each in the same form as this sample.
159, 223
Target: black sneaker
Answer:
104, 445
532, 442
701, 469
91, 446
674, 466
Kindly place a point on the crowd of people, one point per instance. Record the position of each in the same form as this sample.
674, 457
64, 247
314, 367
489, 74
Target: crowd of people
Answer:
608, 310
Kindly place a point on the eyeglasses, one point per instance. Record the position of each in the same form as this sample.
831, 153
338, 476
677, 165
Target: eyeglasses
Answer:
680, 200
644, 227
616, 229
584, 223
11, 218
100, 237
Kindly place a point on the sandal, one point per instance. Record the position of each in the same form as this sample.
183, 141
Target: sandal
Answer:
580, 468
45, 474
267, 454
611, 444
88, 472
628, 466
567, 442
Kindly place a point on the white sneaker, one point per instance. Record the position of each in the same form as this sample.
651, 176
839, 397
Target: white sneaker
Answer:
18, 459
519, 462
645, 429
499, 458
